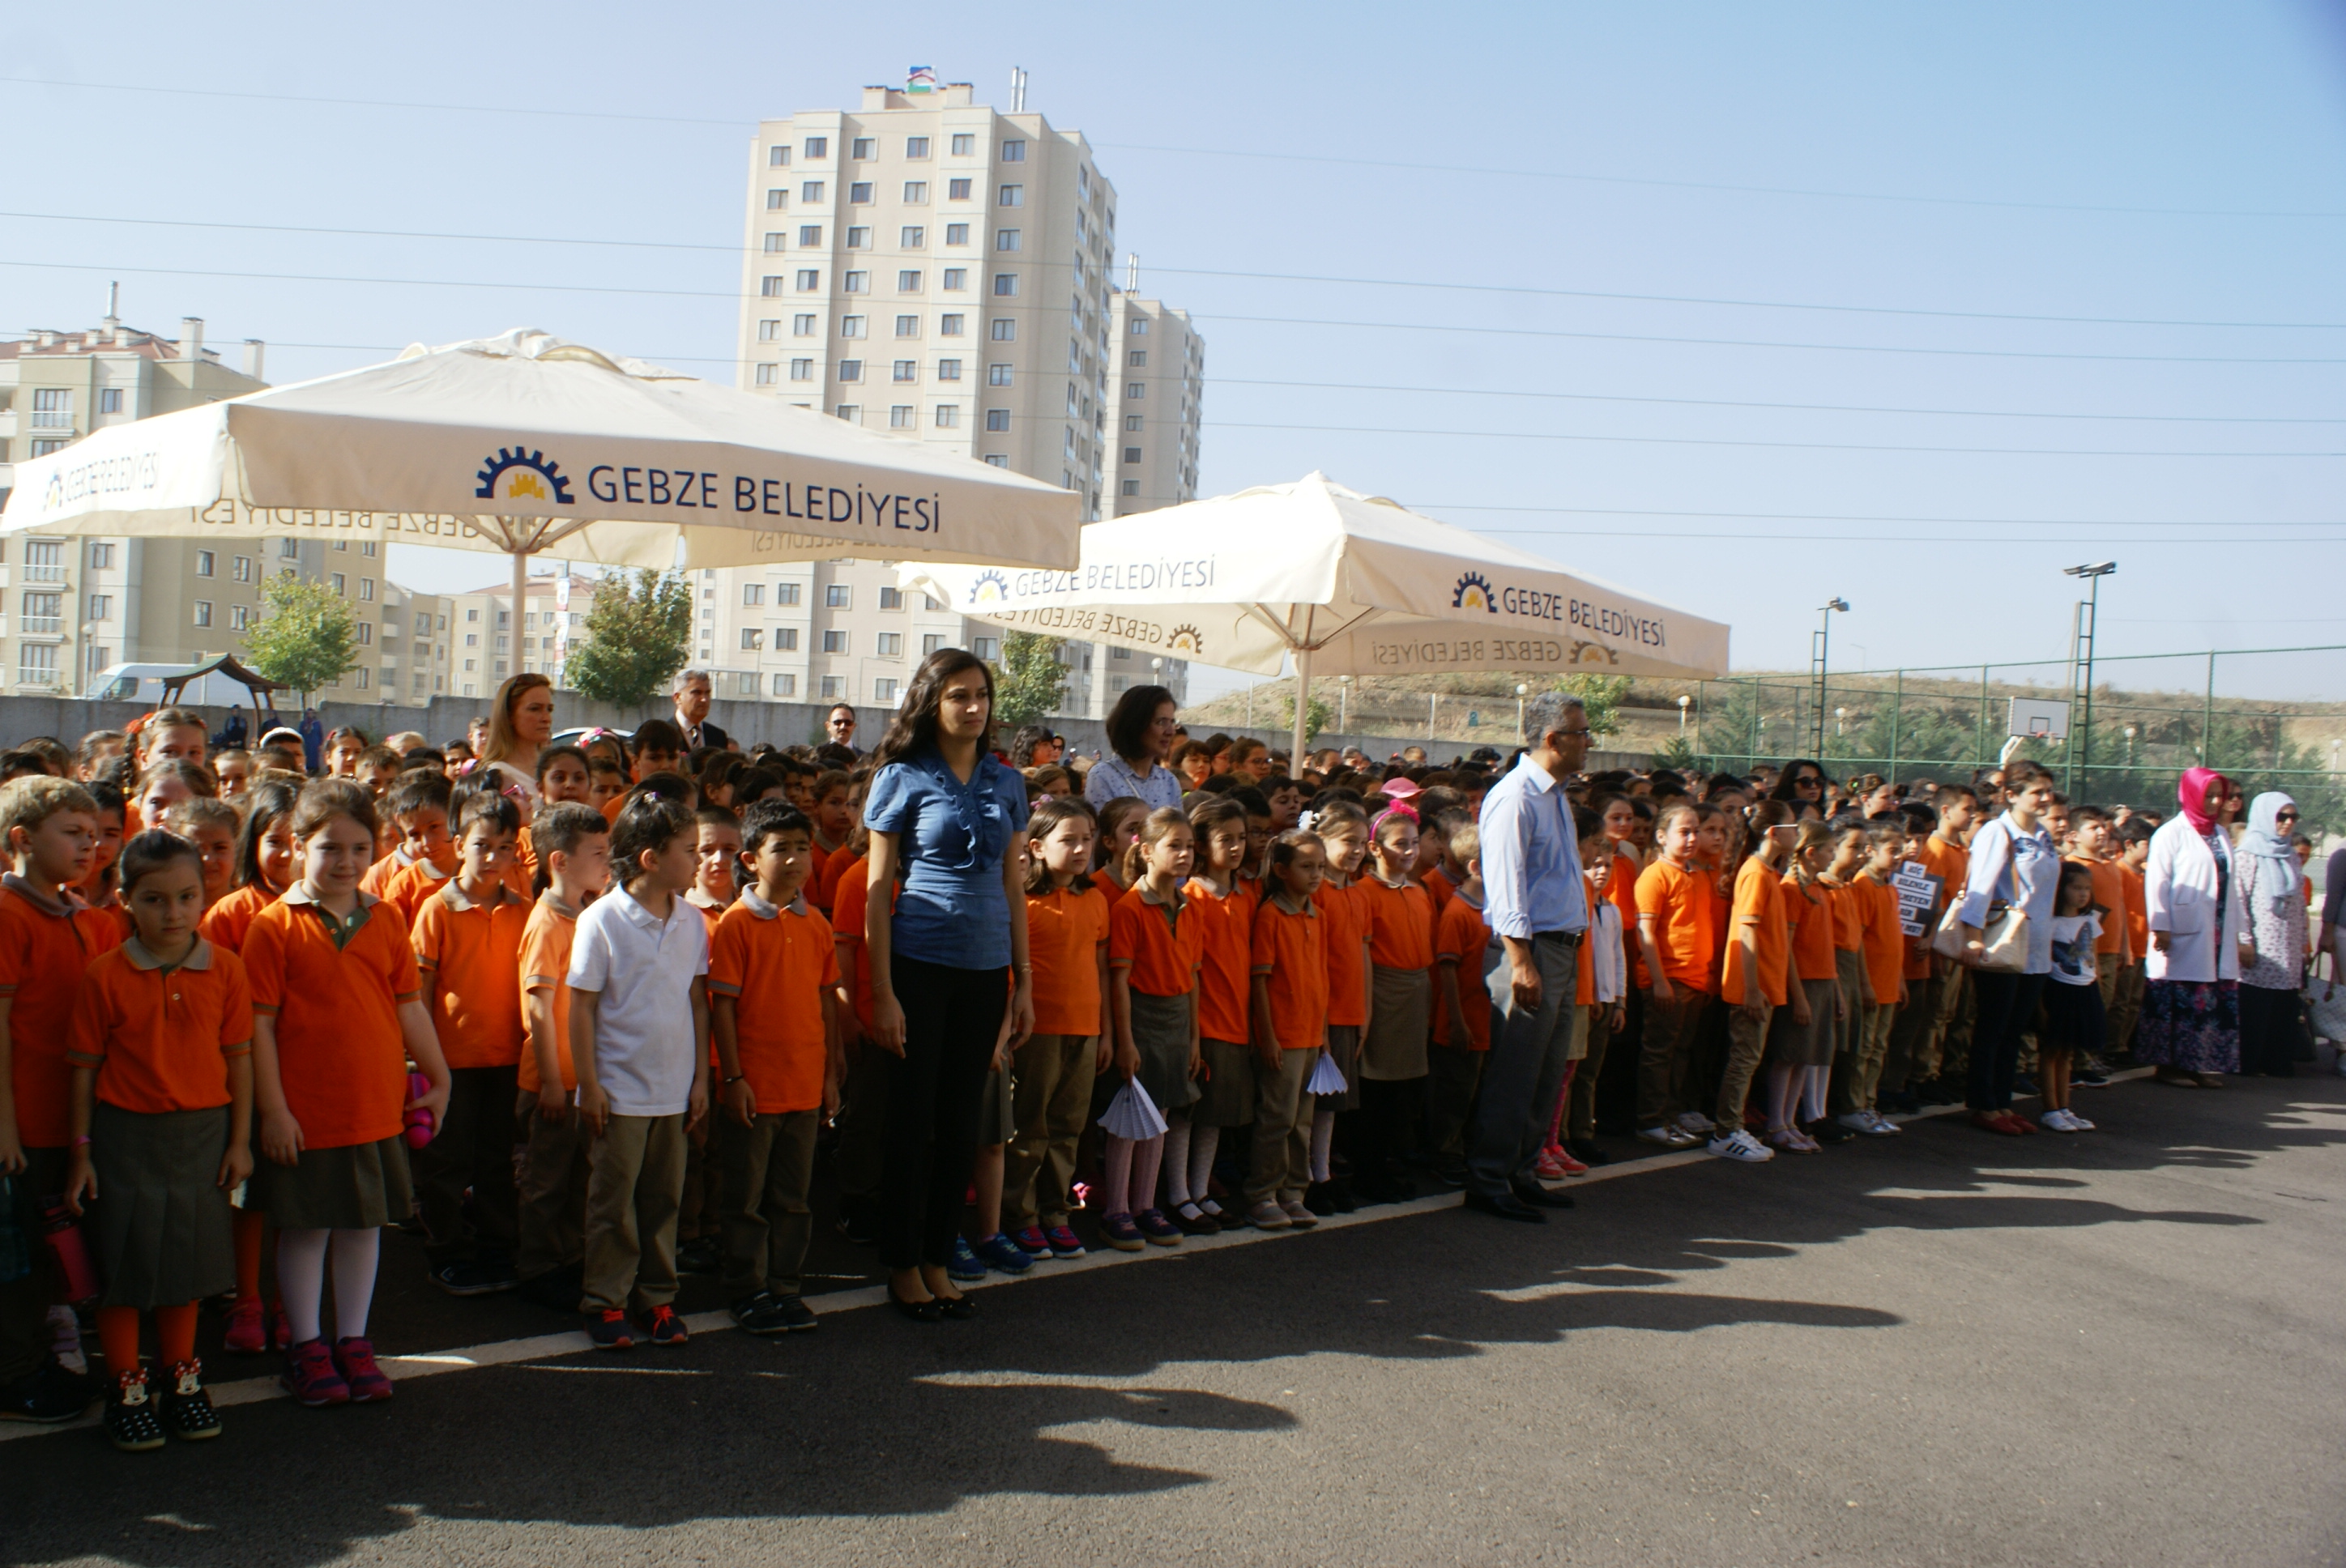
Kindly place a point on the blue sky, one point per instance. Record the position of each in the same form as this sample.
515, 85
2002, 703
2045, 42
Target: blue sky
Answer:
1961, 186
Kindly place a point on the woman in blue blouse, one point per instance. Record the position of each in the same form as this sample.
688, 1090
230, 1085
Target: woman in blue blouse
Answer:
950, 984
1140, 734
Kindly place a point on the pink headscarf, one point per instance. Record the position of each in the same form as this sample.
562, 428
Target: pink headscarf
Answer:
2191, 793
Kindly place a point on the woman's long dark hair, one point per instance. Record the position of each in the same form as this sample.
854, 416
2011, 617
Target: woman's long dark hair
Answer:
1790, 777
913, 727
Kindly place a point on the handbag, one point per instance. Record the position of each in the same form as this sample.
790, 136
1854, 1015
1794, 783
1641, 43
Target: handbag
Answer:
2325, 1009
2003, 939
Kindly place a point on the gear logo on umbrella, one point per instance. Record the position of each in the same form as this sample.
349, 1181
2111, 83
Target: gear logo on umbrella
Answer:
518, 475
1187, 640
990, 588
1473, 593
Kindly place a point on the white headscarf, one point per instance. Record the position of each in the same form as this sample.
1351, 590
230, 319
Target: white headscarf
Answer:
2263, 840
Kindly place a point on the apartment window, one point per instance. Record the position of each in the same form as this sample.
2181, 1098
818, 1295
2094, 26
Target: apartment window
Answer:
818, 146
42, 448
1005, 285
997, 419
768, 332
957, 233
849, 413
366, 590
1123, 654
838, 597
1129, 487
801, 370
957, 191
101, 607
905, 371
861, 148
1004, 329
965, 146
203, 609
786, 593
1137, 359
773, 244
986, 649
948, 416
859, 193
810, 279
833, 685
857, 282
472, 639
912, 237
916, 147
1013, 152
916, 193
1011, 196
802, 326
902, 417
778, 157
777, 201
752, 639
337, 584
810, 236
948, 369
908, 282
859, 238
52, 408
786, 639
834, 642
1132, 455
1132, 421
956, 279
1135, 391
744, 683
240, 617
768, 374
883, 690
1139, 326
786, 685
240, 568
101, 557
850, 370
949, 325
995, 460
851, 326
998, 375
204, 563
811, 192
1008, 239
890, 644
37, 664
366, 634
287, 550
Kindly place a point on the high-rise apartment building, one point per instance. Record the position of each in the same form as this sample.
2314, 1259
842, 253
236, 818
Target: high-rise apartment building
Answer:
929, 267
1154, 413
484, 646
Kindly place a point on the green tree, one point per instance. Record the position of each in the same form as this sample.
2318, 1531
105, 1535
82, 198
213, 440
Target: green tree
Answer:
1029, 679
306, 636
1600, 697
1316, 717
637, 636
1676, 753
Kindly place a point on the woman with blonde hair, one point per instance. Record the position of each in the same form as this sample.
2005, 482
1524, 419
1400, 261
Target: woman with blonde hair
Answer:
520, 724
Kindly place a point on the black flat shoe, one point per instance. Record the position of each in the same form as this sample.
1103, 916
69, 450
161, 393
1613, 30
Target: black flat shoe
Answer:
1540, 1198
958, 1309
1508, 1208
928, 1311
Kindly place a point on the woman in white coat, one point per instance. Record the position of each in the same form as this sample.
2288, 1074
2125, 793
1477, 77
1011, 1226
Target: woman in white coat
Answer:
2190, 1028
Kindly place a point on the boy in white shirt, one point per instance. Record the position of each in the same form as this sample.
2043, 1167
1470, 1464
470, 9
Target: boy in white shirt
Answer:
639, 1043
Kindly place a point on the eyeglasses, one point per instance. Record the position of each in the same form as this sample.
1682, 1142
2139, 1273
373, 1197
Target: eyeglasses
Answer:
1575, 734
2284, 816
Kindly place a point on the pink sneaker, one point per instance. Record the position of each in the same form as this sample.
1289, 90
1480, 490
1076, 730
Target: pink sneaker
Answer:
354, 1358
311, 1377
281, 1329
1566, 1164
247, 1333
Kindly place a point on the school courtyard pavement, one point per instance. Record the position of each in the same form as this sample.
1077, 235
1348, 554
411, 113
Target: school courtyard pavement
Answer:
1946, 1348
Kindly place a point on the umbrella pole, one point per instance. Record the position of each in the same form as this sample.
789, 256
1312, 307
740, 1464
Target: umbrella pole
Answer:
520, 590
1303, 709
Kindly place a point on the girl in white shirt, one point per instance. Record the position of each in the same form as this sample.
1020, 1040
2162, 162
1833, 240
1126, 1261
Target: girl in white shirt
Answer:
2073, 1001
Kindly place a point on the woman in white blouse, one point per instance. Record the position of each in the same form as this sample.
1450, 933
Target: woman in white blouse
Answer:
2190, 1028
2014, 865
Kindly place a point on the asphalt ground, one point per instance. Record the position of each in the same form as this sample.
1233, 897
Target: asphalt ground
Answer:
1946, 1348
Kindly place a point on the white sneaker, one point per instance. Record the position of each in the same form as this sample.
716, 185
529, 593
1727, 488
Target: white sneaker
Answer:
2078, 1124
1667, 1136
1697, 1124
1740, 1145
1882, 1127
1856, 1120
2056, 1122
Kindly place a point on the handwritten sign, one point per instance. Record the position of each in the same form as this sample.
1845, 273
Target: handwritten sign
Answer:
1918, 893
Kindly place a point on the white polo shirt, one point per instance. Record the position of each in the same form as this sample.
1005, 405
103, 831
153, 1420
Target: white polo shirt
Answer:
644, 967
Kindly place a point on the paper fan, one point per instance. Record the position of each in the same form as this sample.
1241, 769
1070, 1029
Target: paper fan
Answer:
1327, 1078
1133, 1114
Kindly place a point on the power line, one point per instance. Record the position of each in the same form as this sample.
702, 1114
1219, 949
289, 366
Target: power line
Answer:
1713, 441
1875, 539
1902, 520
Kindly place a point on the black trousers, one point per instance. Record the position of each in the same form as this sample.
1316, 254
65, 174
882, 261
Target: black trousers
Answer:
951, 1018
2008, 1007
474, 1149
2273, 1026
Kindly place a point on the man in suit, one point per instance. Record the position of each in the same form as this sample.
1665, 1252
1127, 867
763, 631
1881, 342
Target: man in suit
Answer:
693, 692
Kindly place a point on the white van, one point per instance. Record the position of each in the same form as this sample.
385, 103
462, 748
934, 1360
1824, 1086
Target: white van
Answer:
144, 683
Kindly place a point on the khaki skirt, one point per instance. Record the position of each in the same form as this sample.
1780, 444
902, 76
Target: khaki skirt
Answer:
160, 1225
1850, 1033
359, 1187
1226, 1099
1402, 1012
1161, 1033
1808, 1045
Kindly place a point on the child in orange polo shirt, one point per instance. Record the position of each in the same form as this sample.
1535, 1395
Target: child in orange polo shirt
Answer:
607, 786
1855, 1081
1392, 1046
419, 805
1119, 829
339, 1013
1289, 1011
101, 888
1462, 1011
1754, 983
1054, 1068
1342, 829
834, 824
162, 1123
1152, 964
773, 979
1222, 903
1800, 1035
46, 942
574, 846
1854, 985
468, 941
563, 778
2094, 843
717, 855
211, 827
2134, 853
1676, 935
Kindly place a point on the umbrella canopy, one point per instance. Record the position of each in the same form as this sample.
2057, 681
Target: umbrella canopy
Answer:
520, 443
1344, 583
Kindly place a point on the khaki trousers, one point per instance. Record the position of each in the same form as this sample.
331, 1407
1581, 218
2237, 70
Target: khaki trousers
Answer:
763, 1172
552, 1191
1670, 1028
635, 1181
1051, 1098
1281, 1164
1747, 1042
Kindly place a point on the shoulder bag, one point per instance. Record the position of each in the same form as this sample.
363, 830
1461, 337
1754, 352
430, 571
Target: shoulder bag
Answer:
2003, 939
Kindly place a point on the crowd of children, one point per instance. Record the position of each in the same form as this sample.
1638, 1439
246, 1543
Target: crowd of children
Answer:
587, 1035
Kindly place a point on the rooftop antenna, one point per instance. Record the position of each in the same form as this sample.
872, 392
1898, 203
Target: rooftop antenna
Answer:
1132, 271
1018, 90
113, 305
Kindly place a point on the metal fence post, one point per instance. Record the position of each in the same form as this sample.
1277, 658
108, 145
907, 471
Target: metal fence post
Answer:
2208, 716
1979, 731
1897, 702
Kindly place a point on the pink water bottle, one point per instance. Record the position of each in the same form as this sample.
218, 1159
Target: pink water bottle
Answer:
419, 1120
70, 1248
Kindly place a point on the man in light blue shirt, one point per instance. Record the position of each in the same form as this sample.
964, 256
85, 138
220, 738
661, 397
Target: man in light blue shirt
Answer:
1537, 905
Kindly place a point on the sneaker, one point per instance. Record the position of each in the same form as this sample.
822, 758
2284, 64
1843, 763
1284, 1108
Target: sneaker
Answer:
788, 1315
1740, 1145
247, 1332
354, 1358
663, 1327
192, 1417
1119, 1231
281, 1329
466, 1277
1003, 1256
2078, 1124
1449, 1172
1567, 1163
1195, 1221
701, 1255
1880, 1126
1550, 1166
1269, 1216
964, 1267
1694, 1122
1152, 1224
610, 1331
1668, 1136
1032, 1241
311, 1377
749, 1314
1299, 1216
2089, 1078
2056, 1122
1064, 1243
49, 1395
131, 1424
1859, 1122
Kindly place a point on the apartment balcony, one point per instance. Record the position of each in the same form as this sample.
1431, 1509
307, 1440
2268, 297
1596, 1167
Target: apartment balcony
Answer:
41, 627
44, 573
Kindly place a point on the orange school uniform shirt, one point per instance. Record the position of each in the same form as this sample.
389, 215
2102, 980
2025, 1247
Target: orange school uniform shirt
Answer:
1758, 908
2138, 912
545, 966
1621, 886
1224, 957
1064, 929
829, 865
852, 893
376, 882
1159, 942
45, 947
2110, 895
1685, 914
1344, 930
1809, 932
1884, 939
335, 993
1439, 887
1401, 924
161, 1039
1460, 936
1848, 917
410, 886
776, 962
226, 922
469, 953
1291, 947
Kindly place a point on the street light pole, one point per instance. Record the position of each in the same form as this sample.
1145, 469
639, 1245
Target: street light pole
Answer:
1521, 692
1820, 649
2081, 732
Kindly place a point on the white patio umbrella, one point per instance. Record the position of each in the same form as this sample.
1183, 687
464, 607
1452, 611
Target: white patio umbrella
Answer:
517, 443
1341, 583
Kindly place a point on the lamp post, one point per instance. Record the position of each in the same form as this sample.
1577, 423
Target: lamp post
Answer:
1683, 700
2081, 733
1840, 721
1820, 650
1345, 705
1521, 692
2130, 761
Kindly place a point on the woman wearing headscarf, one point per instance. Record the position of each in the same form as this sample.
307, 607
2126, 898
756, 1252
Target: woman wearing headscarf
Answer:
2272, 959
2190, 1028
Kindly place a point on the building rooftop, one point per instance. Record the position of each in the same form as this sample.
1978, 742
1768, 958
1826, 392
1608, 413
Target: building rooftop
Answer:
111, 340
544, 585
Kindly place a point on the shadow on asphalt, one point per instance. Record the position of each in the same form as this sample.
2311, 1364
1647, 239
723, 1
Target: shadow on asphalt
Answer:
872, 1416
